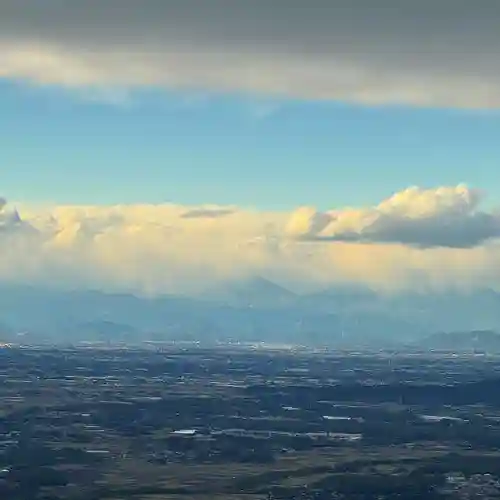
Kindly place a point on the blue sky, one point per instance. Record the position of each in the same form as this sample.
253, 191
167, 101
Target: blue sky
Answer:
64, 147
425, 97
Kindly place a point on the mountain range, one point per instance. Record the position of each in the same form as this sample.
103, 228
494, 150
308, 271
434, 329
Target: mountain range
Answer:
253, 310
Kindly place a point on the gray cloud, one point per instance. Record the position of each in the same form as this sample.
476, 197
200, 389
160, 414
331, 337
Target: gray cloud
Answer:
429, 53
424, 233
207, 213
446, 217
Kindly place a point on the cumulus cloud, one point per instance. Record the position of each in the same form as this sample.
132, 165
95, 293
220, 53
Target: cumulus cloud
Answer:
443, 217
417, 237
391, 51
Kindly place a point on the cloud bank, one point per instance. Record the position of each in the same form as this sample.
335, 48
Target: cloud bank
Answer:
423, 53
416, 238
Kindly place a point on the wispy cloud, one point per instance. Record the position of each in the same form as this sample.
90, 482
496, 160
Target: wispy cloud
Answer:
391, 52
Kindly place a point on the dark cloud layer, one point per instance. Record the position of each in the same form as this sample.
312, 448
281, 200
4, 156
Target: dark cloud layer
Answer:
463, 233
390, 51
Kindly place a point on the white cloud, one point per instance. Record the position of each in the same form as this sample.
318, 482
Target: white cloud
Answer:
419, 53
408, 240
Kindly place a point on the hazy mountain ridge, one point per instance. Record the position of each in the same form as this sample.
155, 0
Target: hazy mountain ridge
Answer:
253, 292
253, 310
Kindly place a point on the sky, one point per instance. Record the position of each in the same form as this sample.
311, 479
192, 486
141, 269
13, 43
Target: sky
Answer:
165, 145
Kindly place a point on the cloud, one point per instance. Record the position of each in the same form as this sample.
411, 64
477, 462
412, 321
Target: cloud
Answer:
207, 213
416, 238
443, 217
398, 52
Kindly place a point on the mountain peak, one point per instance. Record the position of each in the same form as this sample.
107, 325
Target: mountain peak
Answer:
252, 291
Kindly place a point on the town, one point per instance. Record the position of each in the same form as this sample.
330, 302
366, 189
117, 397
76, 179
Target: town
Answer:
179, 422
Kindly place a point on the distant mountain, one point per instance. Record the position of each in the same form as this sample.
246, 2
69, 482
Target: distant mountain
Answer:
342, 298
104, 331
250, 316
252, 292
448, 311
252, 310
474, 341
